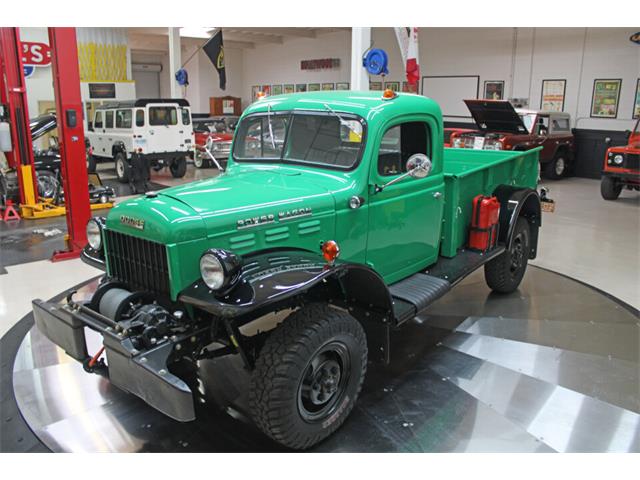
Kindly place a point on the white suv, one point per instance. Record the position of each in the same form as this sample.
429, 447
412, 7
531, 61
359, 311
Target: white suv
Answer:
157, 130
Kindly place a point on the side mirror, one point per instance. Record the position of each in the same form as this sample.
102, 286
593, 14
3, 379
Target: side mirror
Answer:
418, 165
627, 134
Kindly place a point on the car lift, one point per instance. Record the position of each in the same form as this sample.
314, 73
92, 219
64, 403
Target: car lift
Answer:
13, 96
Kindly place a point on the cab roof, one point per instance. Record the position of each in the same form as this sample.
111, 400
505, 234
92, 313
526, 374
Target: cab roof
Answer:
143, 102
367, 104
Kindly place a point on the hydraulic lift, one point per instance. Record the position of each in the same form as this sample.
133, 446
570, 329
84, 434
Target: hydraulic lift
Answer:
13, 96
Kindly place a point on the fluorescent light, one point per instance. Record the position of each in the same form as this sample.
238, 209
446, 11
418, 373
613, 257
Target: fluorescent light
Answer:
196, 32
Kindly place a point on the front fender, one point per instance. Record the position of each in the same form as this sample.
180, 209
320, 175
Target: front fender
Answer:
269, 279
516, 202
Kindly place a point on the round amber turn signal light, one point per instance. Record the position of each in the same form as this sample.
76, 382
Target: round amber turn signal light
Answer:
330, 251
388, 94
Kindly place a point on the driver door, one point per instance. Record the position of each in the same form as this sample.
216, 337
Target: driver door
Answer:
405, 219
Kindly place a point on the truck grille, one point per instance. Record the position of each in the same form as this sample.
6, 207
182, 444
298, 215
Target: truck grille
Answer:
139, 263
632, 160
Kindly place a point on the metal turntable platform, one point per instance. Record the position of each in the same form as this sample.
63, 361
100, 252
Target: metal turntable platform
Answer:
552, 367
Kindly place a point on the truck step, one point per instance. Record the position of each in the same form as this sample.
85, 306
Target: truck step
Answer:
416, 293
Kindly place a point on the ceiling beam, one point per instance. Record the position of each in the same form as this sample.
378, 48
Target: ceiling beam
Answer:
238, 44
249, 35
281, 31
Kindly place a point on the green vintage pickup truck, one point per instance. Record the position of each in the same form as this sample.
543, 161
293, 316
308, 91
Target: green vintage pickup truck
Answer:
342, 210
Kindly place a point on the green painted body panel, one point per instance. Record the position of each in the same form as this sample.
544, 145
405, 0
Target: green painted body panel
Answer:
397, 232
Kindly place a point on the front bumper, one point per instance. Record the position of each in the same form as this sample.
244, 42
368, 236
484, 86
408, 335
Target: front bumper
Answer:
144, 374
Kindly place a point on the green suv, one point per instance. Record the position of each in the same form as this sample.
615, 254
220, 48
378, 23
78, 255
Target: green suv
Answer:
342, 210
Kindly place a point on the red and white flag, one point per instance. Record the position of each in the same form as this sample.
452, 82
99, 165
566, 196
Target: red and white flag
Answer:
408, 43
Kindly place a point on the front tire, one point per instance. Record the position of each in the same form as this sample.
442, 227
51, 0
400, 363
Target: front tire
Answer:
308, 376
556, 168
504, 273
609, 188
178, 167
122, 167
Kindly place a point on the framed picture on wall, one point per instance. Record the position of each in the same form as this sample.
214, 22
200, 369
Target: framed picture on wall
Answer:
493, 90
552, 96
314, 87
276, 89
254, 92
636, 105
605, 97
301, 87
266, 89
342, 86
328, 86
394, 86
289, 88
410, 87
375, 86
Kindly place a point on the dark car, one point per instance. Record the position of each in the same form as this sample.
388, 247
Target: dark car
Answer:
502, 127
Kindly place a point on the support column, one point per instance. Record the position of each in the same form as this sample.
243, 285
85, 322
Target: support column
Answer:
174, 61
360, 43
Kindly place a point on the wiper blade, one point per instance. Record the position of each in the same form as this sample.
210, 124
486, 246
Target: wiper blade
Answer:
343, 121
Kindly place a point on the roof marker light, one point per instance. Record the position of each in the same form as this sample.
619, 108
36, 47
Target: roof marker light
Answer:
260, 95
389, 94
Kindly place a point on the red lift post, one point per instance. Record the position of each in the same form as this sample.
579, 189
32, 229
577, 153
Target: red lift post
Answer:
66, 85
13, 94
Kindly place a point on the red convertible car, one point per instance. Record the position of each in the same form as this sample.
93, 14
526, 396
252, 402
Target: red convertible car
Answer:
218, 131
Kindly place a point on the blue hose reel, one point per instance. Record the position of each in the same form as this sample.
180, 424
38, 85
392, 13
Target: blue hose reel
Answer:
376, 62
182, 77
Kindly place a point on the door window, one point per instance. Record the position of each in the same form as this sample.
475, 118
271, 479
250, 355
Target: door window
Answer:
139, 117
97, 123
543, 125
109, 119
123, 119
399, 143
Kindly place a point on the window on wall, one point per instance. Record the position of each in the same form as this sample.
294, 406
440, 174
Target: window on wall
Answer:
108, 119
123, 119
139, 117
399, 143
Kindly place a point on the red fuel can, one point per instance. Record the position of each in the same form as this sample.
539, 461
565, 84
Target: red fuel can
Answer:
484, 223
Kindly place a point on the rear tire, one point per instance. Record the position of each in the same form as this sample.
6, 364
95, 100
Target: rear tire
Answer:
308, 376
122, 168
556, 168
504, 273
609, 188
178, 167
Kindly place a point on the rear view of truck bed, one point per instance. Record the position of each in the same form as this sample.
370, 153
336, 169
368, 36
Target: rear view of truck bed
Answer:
472, 172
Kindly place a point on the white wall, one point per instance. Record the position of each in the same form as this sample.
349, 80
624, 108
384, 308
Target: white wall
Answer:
521, 57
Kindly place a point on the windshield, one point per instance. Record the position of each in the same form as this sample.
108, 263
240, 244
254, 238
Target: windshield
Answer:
325, 140
528, 119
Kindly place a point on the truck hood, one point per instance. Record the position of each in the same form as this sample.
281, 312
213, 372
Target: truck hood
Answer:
496, 116
243, 195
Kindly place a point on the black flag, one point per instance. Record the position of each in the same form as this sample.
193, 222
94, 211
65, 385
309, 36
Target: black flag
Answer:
214, 49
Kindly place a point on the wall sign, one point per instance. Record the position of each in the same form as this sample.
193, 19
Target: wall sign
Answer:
493, 90
606, 94
320, 64
552, 97
102, 90
35, 54
636, 105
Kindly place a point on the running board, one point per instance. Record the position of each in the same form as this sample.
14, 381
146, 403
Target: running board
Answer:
417, 292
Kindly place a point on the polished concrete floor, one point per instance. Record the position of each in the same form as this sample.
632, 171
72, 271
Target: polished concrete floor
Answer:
477, 372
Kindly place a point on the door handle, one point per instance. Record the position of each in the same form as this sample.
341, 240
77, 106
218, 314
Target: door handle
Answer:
437, 195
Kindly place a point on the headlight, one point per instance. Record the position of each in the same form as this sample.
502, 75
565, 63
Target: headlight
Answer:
618, 159
219, 269
94, 233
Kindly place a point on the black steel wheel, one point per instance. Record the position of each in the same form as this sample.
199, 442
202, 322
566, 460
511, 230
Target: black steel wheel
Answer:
610, 189
122, 167
504, 273
308, 376
178, 167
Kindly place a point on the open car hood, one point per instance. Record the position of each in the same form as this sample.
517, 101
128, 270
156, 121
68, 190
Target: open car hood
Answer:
496, 116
